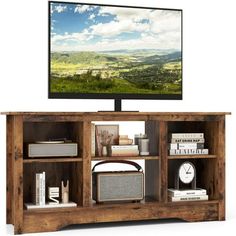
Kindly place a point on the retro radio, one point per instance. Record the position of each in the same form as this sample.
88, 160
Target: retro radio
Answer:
118, 185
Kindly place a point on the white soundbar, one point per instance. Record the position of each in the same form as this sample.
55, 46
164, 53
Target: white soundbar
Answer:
52, 149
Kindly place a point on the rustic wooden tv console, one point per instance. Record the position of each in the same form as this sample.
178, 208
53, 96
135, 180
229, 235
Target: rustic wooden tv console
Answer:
23, 127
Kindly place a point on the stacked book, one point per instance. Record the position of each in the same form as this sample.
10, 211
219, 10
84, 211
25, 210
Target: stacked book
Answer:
39, 189
187, 144
124, 150
125, 140
199, 194
125, 147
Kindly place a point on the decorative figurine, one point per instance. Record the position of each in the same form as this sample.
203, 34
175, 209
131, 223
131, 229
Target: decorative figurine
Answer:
53, 193
65, 191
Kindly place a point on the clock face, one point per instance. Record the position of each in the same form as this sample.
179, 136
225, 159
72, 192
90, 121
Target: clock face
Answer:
186, 172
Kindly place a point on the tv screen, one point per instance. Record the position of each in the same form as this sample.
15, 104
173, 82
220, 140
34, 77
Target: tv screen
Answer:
104, 51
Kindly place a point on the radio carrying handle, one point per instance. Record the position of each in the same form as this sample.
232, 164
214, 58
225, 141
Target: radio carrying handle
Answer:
136, 165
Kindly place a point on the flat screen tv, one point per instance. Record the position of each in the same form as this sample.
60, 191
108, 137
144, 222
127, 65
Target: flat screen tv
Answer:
119, 52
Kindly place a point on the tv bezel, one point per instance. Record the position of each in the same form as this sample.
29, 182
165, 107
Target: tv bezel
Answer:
111, 95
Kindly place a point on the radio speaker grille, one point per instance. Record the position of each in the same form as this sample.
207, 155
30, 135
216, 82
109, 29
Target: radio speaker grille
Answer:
119, 186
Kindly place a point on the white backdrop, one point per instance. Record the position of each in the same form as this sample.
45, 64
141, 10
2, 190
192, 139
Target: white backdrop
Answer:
209, 51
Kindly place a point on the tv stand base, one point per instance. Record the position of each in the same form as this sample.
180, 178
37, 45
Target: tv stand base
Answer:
46, 220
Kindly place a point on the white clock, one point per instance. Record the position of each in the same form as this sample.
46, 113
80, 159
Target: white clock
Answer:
187, 172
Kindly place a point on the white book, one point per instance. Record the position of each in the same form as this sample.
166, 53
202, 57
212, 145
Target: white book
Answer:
43, 188
132, 153
40, 189
124, 147
188, 152
124, 151
189, 198
187, 140
186, 145
47, 205
186, 192
187, 135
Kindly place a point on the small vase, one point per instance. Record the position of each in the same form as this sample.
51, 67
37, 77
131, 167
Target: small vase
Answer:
65, 198
104, 150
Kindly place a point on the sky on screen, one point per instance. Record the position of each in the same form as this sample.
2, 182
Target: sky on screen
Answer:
80, 27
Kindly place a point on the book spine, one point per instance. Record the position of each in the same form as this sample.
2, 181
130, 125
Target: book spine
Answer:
43, 188
123, 136
34, 190
189, 198
187, 140
37, 189
177, 193
188, 152
124, 147
133, 154
187, 135
124, 151
40, 189
186, 146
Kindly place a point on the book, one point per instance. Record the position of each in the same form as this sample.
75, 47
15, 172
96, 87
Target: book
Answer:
124, 150
187, 140
36, 189
38, 192
124, 136
125, 141
129, 154
187, 135
47, 205
188, 152
186, 192
186, 146
189, 198
42, 189
124, 147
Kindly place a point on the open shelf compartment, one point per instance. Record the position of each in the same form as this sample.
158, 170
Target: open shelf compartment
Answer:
208, 128
45, 131
150, 162
55, 173
206, 175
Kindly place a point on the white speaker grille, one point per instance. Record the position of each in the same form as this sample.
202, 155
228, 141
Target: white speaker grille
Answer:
51, 150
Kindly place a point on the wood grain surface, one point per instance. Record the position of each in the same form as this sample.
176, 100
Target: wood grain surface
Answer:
24, 127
